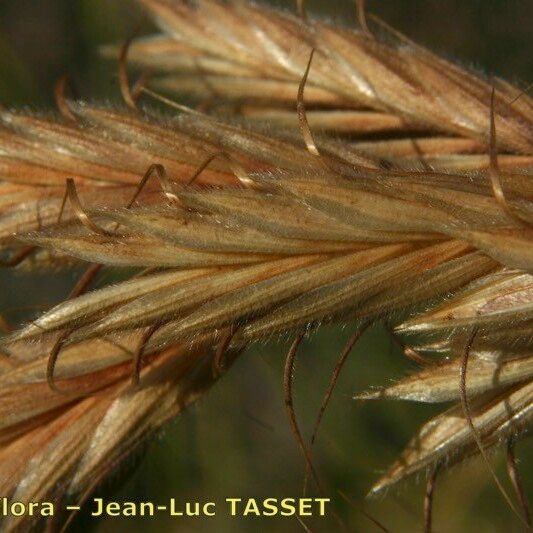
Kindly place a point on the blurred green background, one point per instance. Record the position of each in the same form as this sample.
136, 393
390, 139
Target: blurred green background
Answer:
236, 441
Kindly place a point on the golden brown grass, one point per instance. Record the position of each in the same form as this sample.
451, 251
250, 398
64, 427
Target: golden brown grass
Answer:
250, 227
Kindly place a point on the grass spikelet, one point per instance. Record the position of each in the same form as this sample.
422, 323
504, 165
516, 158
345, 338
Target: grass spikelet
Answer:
410, 206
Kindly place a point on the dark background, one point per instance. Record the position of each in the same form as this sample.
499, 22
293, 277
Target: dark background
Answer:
236, 441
